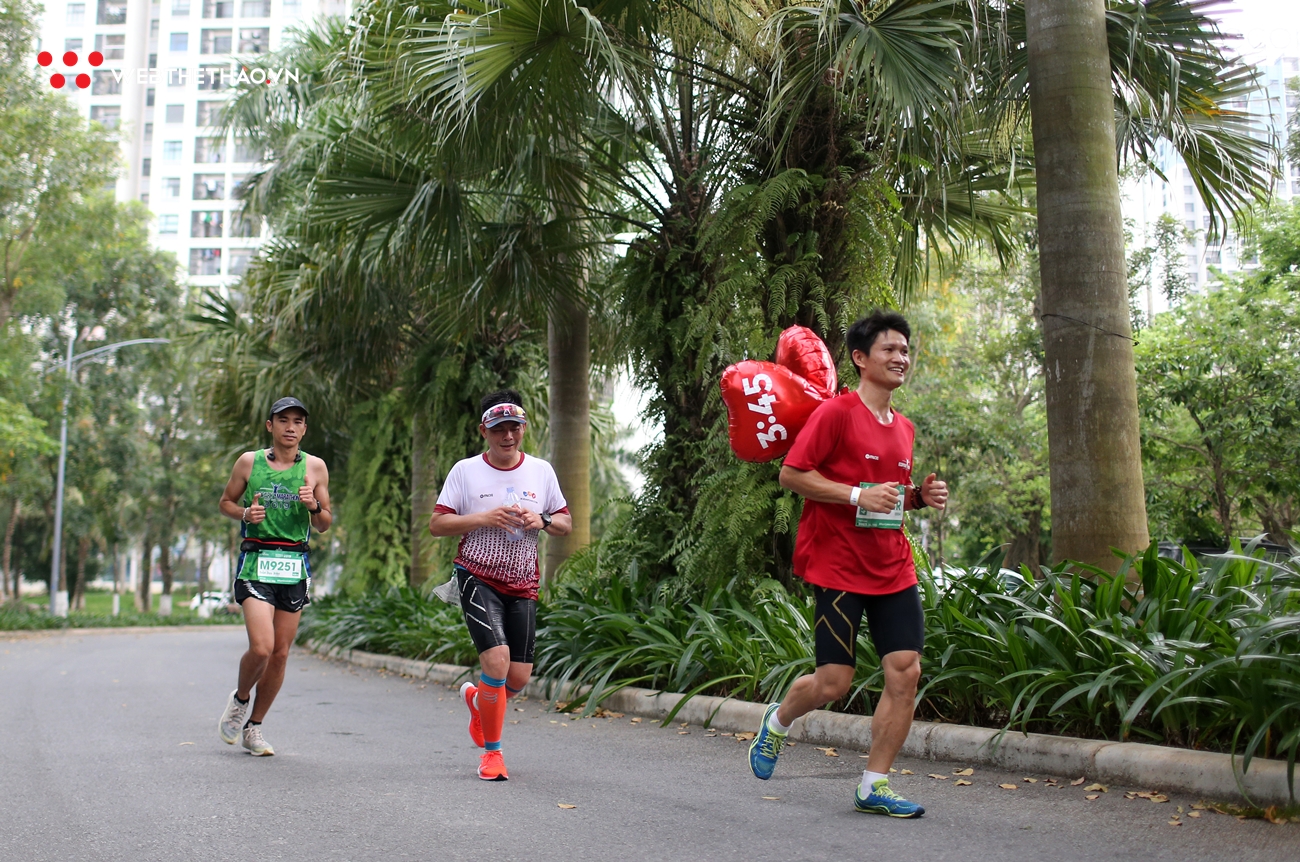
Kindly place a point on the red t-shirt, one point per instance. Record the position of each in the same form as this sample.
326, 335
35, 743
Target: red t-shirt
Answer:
845, 442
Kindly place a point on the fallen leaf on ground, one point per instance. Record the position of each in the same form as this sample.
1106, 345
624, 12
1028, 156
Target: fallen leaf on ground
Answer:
829, 752
1091, 796
553, 721
1175, 823
679, 733
772, 798
1100, 788
1007, 786
517, 708
1272, 815
961, 782
1030, 780
745, 737
186, 743
514, 721
1076, 782
937, 776
560, 705
684, 724
564, 805
1159, 797
891, 769
906, 772
1193, 814
729, 734
605, 713
1199, 806
966, 771
636, 721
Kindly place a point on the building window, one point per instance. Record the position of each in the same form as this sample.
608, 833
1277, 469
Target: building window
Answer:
209, 151
214, 77
148, 133
239, 260
111, 45
146, 167
1214, 256
205, 224
107, 82
177, 76
237, 185
153, 28
112, 12
171, 151
291, 7
179, 42
149, 97
144, 198
175, 113
209, 187
205, 261
208, 113
72, 44
1189, 207
1190, 224
172, 187
107, 116
244, 226
168, 224
215, 42
254, 40
218, 8
76, 14
247, 151
152, 62
255, 9
180, 8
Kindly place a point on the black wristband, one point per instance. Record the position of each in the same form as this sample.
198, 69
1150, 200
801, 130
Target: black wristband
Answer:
918, 502
319, 506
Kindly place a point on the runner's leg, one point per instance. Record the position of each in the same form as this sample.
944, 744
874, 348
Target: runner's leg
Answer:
521, 633
828, 683
259, 620
286, 629
491, 697
892, 718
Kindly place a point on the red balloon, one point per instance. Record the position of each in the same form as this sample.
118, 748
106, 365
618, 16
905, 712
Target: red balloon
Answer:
800, 350
767, 405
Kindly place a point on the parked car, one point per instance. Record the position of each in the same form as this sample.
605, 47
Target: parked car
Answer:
209, 603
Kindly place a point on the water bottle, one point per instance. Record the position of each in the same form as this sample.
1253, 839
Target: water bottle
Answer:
514, 534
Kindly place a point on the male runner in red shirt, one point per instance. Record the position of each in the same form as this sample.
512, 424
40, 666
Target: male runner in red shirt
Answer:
852, 463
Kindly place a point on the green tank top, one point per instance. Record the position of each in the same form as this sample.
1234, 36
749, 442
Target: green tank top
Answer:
287, 519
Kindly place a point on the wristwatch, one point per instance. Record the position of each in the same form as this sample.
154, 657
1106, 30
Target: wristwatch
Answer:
317, 510
546, 520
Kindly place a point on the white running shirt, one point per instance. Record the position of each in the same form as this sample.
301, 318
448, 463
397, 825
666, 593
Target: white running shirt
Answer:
475, 486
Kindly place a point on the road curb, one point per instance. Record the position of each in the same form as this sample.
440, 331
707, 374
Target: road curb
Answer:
1157, 767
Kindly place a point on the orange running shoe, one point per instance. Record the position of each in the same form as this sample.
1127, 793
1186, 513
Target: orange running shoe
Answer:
467, 692
492, 767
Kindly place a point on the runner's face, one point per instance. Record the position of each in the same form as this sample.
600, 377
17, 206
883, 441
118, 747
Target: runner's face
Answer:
888, 361
504, 439
287, 427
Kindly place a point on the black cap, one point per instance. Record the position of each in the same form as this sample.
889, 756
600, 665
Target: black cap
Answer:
285, 403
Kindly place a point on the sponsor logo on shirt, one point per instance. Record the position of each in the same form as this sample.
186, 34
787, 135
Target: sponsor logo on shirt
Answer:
481, 496
529, 495
906, 465
873, 457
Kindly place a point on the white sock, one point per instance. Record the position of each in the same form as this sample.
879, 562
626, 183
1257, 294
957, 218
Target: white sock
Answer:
774, 723
869, 780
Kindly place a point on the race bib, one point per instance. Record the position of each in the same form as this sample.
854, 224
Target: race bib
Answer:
279, 567
891, 520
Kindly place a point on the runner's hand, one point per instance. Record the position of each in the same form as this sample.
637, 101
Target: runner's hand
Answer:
307, 496
532, 520
934, 491
505, 517
880, 498
256, 512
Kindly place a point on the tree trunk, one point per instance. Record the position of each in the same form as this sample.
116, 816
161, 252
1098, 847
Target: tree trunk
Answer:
424, 494
568, 334
144, 578
1091, 384
205, 563
9, 577
168, 576
79, 585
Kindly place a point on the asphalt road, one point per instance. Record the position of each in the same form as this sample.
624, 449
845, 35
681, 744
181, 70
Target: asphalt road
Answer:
111, 752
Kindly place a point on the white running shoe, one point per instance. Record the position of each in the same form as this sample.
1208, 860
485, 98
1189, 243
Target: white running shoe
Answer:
232, 720
253, 741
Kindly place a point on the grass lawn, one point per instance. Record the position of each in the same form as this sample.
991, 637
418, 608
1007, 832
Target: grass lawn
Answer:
99, 613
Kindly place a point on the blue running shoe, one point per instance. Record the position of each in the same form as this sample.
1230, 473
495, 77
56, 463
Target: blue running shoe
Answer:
766, 747
883, 800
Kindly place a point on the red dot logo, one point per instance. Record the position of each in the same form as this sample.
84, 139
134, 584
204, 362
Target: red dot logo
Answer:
70, 58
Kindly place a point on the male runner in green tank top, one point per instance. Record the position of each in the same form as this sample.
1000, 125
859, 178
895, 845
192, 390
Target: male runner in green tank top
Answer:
278, 495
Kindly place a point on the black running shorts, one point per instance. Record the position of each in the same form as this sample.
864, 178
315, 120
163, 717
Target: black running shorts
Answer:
285, 597
894, 621
495, 619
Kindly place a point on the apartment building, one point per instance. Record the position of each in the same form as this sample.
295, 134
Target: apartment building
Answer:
158, 71
1272, 105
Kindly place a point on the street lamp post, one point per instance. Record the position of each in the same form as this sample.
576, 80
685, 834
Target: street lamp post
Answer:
58, 597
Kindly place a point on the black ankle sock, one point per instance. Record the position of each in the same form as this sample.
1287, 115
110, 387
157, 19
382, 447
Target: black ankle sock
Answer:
251, 723
243, 702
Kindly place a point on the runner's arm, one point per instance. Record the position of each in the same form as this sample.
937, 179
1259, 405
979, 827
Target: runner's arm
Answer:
452, 524
230, 504
812, 485
320, 494
561, 523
